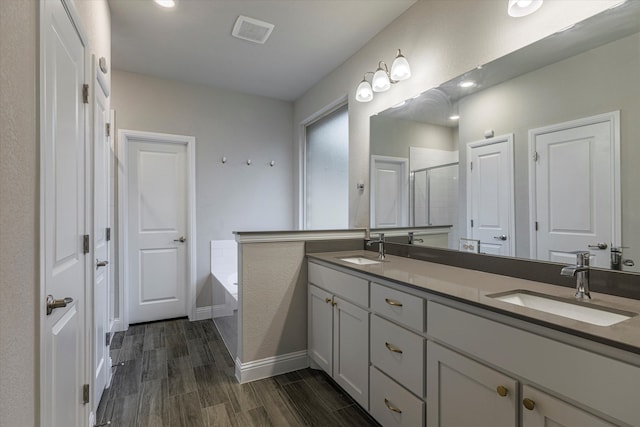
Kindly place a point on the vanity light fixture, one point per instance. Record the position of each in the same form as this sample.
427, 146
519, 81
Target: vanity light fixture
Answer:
383, 78
520, 8
166, 3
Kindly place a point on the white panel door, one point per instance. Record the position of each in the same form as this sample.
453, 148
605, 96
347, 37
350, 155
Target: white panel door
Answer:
101, 222
575, 167
490, 195
63, 210
157, 224
389, 192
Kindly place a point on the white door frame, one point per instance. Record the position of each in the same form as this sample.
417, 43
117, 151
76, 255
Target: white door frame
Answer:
508, 138
87, 313
124, 136
613, 118
404, 163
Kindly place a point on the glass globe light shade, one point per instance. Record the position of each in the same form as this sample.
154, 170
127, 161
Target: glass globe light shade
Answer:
400, 69
380, 82
364, 93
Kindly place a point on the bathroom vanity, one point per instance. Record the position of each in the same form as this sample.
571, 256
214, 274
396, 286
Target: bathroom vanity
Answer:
418, 343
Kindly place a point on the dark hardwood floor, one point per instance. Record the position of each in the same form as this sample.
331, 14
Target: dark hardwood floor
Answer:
178, 373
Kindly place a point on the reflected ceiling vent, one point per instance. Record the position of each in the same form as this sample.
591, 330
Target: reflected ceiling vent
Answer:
252, 30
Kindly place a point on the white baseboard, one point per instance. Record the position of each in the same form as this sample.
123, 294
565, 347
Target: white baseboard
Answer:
221, 310
117, 325
203, 313
271, 366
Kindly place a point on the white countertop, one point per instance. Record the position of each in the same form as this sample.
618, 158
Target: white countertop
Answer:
474, 286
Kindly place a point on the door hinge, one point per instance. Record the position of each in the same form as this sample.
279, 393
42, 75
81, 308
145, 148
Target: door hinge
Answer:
471, 223
107, 339
85, 244
535, 156
85, 93
108, 234
536, 225
85, 394
108, 129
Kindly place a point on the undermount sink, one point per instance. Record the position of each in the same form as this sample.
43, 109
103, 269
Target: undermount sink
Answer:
360, 260
578, 311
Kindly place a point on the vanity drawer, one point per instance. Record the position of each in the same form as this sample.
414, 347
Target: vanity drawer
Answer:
398, 306
349, 287
398, 353
392, 405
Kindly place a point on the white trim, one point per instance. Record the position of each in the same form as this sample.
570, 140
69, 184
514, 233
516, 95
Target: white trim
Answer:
124, 135
404, 162
613, 118
302, 150
270, 366
203, 313
508, 139
285, 236
221, 310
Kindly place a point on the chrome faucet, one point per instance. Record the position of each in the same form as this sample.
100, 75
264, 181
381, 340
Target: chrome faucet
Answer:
581, 273
380, 243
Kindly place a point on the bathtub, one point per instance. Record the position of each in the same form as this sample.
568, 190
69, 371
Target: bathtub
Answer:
224, 272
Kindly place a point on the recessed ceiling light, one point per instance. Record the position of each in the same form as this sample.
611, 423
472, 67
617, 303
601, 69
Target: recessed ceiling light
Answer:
520, 8
454, 117
467, 83
166, 3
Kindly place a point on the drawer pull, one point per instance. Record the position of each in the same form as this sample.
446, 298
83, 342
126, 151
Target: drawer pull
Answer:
393, 348
528, 403
502, 391
391, 407
393, 302
327, 300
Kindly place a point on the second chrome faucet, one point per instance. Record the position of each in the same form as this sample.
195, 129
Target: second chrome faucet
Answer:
581, 273
380, 242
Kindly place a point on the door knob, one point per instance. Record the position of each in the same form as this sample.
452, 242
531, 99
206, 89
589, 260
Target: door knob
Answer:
503, 237
599, 246
57, 303
101, 263
181, 239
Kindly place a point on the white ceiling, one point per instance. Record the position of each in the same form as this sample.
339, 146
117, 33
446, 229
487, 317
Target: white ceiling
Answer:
193, 42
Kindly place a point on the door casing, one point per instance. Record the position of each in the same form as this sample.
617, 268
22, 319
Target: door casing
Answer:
124, 136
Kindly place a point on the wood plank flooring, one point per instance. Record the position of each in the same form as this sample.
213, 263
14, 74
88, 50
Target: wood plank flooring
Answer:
178, 373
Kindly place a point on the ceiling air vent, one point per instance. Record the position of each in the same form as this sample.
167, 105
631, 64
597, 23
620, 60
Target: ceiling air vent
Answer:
251, 29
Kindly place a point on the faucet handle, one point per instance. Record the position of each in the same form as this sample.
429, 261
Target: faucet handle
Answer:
582, 258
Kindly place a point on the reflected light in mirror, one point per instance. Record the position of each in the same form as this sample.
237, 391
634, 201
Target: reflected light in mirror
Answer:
166, 3
467, 83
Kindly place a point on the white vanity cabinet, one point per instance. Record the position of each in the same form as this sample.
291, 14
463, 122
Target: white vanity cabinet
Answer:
583, 383
463, 392
338, 329
544, 410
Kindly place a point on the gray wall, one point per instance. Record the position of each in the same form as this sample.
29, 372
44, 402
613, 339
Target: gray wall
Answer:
19, 199
598, 81
393, 137
232, 196
441, 39
19, 233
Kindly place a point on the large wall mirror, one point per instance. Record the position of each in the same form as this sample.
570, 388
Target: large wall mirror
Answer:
532, 155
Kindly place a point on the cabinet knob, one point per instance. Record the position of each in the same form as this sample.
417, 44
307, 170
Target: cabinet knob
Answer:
528, 403
391, 407
502, 390
393, 302
327, 300
393, 348
333, 303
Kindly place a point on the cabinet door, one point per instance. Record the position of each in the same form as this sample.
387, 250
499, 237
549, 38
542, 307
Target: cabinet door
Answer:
462, 392
351, 350
320, 328
543, 410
